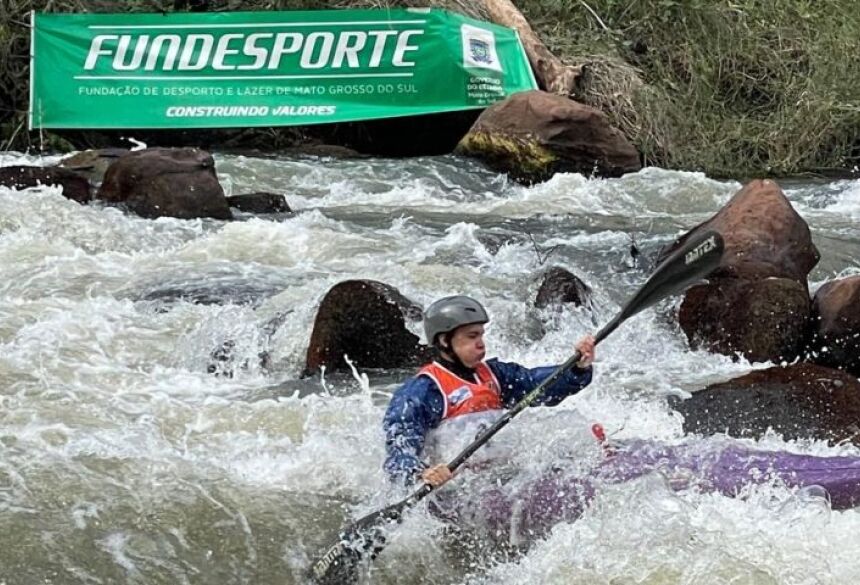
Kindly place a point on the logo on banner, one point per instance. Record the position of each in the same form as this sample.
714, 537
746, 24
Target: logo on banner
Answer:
479, 48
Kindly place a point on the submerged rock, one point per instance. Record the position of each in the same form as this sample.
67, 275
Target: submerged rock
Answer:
93, 163
75, 186
259, 203
227, 358
216, 292
559, 285
802, 401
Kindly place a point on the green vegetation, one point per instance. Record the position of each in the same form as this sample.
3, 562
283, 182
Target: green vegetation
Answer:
729, 87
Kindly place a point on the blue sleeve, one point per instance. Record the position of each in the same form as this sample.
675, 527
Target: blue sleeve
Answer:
517, 381
415, 408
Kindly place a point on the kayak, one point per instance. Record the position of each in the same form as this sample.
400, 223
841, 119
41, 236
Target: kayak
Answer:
527, 510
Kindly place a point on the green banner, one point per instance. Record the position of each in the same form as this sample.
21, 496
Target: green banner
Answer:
236, 69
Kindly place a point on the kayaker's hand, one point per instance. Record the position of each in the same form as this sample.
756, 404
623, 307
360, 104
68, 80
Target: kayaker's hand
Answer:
437, 475
586, 348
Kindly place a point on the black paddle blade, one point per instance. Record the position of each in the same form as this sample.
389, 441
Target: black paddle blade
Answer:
339, 566
362, 540
693, 261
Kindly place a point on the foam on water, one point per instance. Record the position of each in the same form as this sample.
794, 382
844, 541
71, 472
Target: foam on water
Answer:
836, 200
647, 533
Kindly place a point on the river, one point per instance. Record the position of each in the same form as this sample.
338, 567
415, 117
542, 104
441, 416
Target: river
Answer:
123, 461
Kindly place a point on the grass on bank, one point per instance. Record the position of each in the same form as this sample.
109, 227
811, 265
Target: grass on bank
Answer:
726, 86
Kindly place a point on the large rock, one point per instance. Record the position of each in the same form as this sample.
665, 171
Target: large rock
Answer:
757, 303
764, 236
364, 320
558, 286
534, 134
803, 401
159, 182
836, 324
75, 186
760, 319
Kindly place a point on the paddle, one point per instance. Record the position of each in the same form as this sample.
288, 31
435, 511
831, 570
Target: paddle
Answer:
689, 263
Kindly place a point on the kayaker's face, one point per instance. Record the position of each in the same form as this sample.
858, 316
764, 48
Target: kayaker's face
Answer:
468, 343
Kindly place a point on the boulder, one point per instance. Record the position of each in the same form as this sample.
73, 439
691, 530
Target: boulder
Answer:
213, 290
836, 325
559, 285
533, 135
760, 319
93, 164
166, 182
75, 186
764, 236
757, 303
366, 321
803, 401
259, 203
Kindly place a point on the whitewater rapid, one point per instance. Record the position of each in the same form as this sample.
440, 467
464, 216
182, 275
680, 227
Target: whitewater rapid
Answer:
123, 461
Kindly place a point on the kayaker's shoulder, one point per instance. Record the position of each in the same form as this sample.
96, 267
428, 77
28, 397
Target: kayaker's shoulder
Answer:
503, 369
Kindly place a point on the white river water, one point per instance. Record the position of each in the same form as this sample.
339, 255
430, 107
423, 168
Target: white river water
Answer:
123, 461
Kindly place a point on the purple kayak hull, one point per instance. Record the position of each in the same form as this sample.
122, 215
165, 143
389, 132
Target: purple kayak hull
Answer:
530, 510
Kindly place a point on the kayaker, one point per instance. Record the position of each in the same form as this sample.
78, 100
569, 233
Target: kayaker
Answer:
460, 383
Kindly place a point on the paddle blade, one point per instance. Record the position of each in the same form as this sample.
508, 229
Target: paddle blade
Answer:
693, 261
362, 540
339, 566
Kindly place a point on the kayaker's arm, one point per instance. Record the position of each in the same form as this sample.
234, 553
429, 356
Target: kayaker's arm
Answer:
517, 381
415, 408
